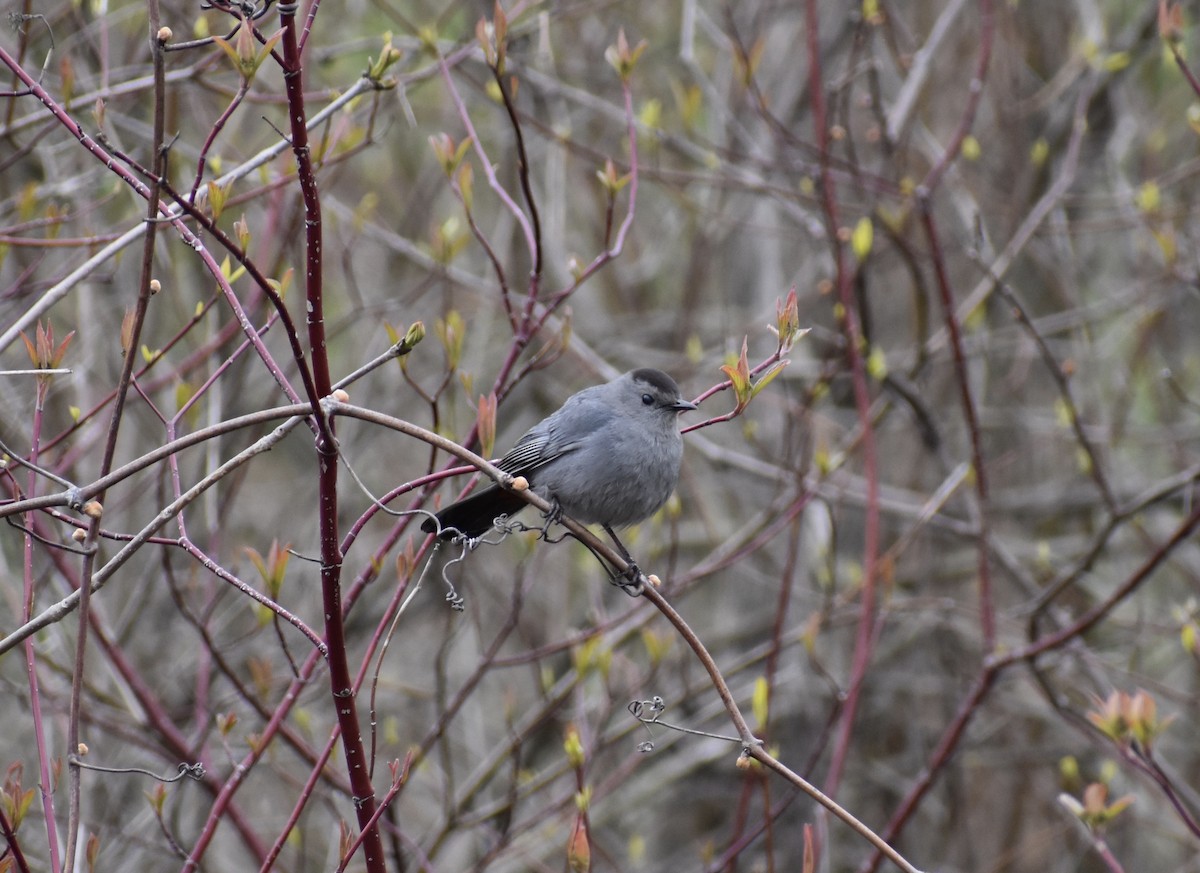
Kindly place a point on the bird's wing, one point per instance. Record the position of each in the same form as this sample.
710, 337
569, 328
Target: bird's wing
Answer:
561, 433
528, 454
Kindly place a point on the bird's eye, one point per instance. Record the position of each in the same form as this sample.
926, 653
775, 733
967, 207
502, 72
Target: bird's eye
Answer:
647, 400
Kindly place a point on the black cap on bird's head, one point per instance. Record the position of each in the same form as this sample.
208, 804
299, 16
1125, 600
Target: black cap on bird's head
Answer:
668, 396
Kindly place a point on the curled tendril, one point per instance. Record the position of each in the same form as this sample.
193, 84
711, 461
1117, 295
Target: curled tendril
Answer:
455, 599
649, 712
192, 771
639, 709
655, 706
243, 9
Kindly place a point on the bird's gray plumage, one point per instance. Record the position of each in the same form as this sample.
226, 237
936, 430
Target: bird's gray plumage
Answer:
609, 455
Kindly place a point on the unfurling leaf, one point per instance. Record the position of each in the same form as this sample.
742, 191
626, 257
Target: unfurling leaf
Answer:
387, 56
1040, 152
650, 115
157, 796
760, 702
241, 229
485, 424
1095, 811
466, 185
43, 353
244, 53
1149, 197
273, 567
92, 851
492, 36
768, 376
862, 238
738, 374
449, 153
573, 746
877, 367
810, 853
787, 321
1187, 636
216, 199
451, 331
127, 323
609, 179
621, 57
226, 722
1170, 22
579, 848
448, 239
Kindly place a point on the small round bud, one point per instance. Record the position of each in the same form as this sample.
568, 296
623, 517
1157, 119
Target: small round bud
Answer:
519, 483
79, 535
93, 509
654, 580
81, 750
164, 34
155, 286
341, 395
744, 762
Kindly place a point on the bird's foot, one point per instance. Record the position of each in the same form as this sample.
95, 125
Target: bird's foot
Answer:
628, 580
551, 517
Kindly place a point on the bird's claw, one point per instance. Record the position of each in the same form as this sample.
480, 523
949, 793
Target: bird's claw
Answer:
554, 514
628, 580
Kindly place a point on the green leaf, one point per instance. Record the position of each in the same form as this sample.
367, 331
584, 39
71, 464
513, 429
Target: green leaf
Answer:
862, 238
877, 364
760, 701
738, 374
768, 376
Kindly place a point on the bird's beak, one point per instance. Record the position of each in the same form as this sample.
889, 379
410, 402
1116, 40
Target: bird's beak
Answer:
684, 406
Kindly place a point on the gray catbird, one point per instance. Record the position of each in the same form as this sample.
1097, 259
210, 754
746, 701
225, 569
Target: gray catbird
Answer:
610, 455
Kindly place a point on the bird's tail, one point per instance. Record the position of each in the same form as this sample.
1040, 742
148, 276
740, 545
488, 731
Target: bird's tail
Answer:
474, 515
